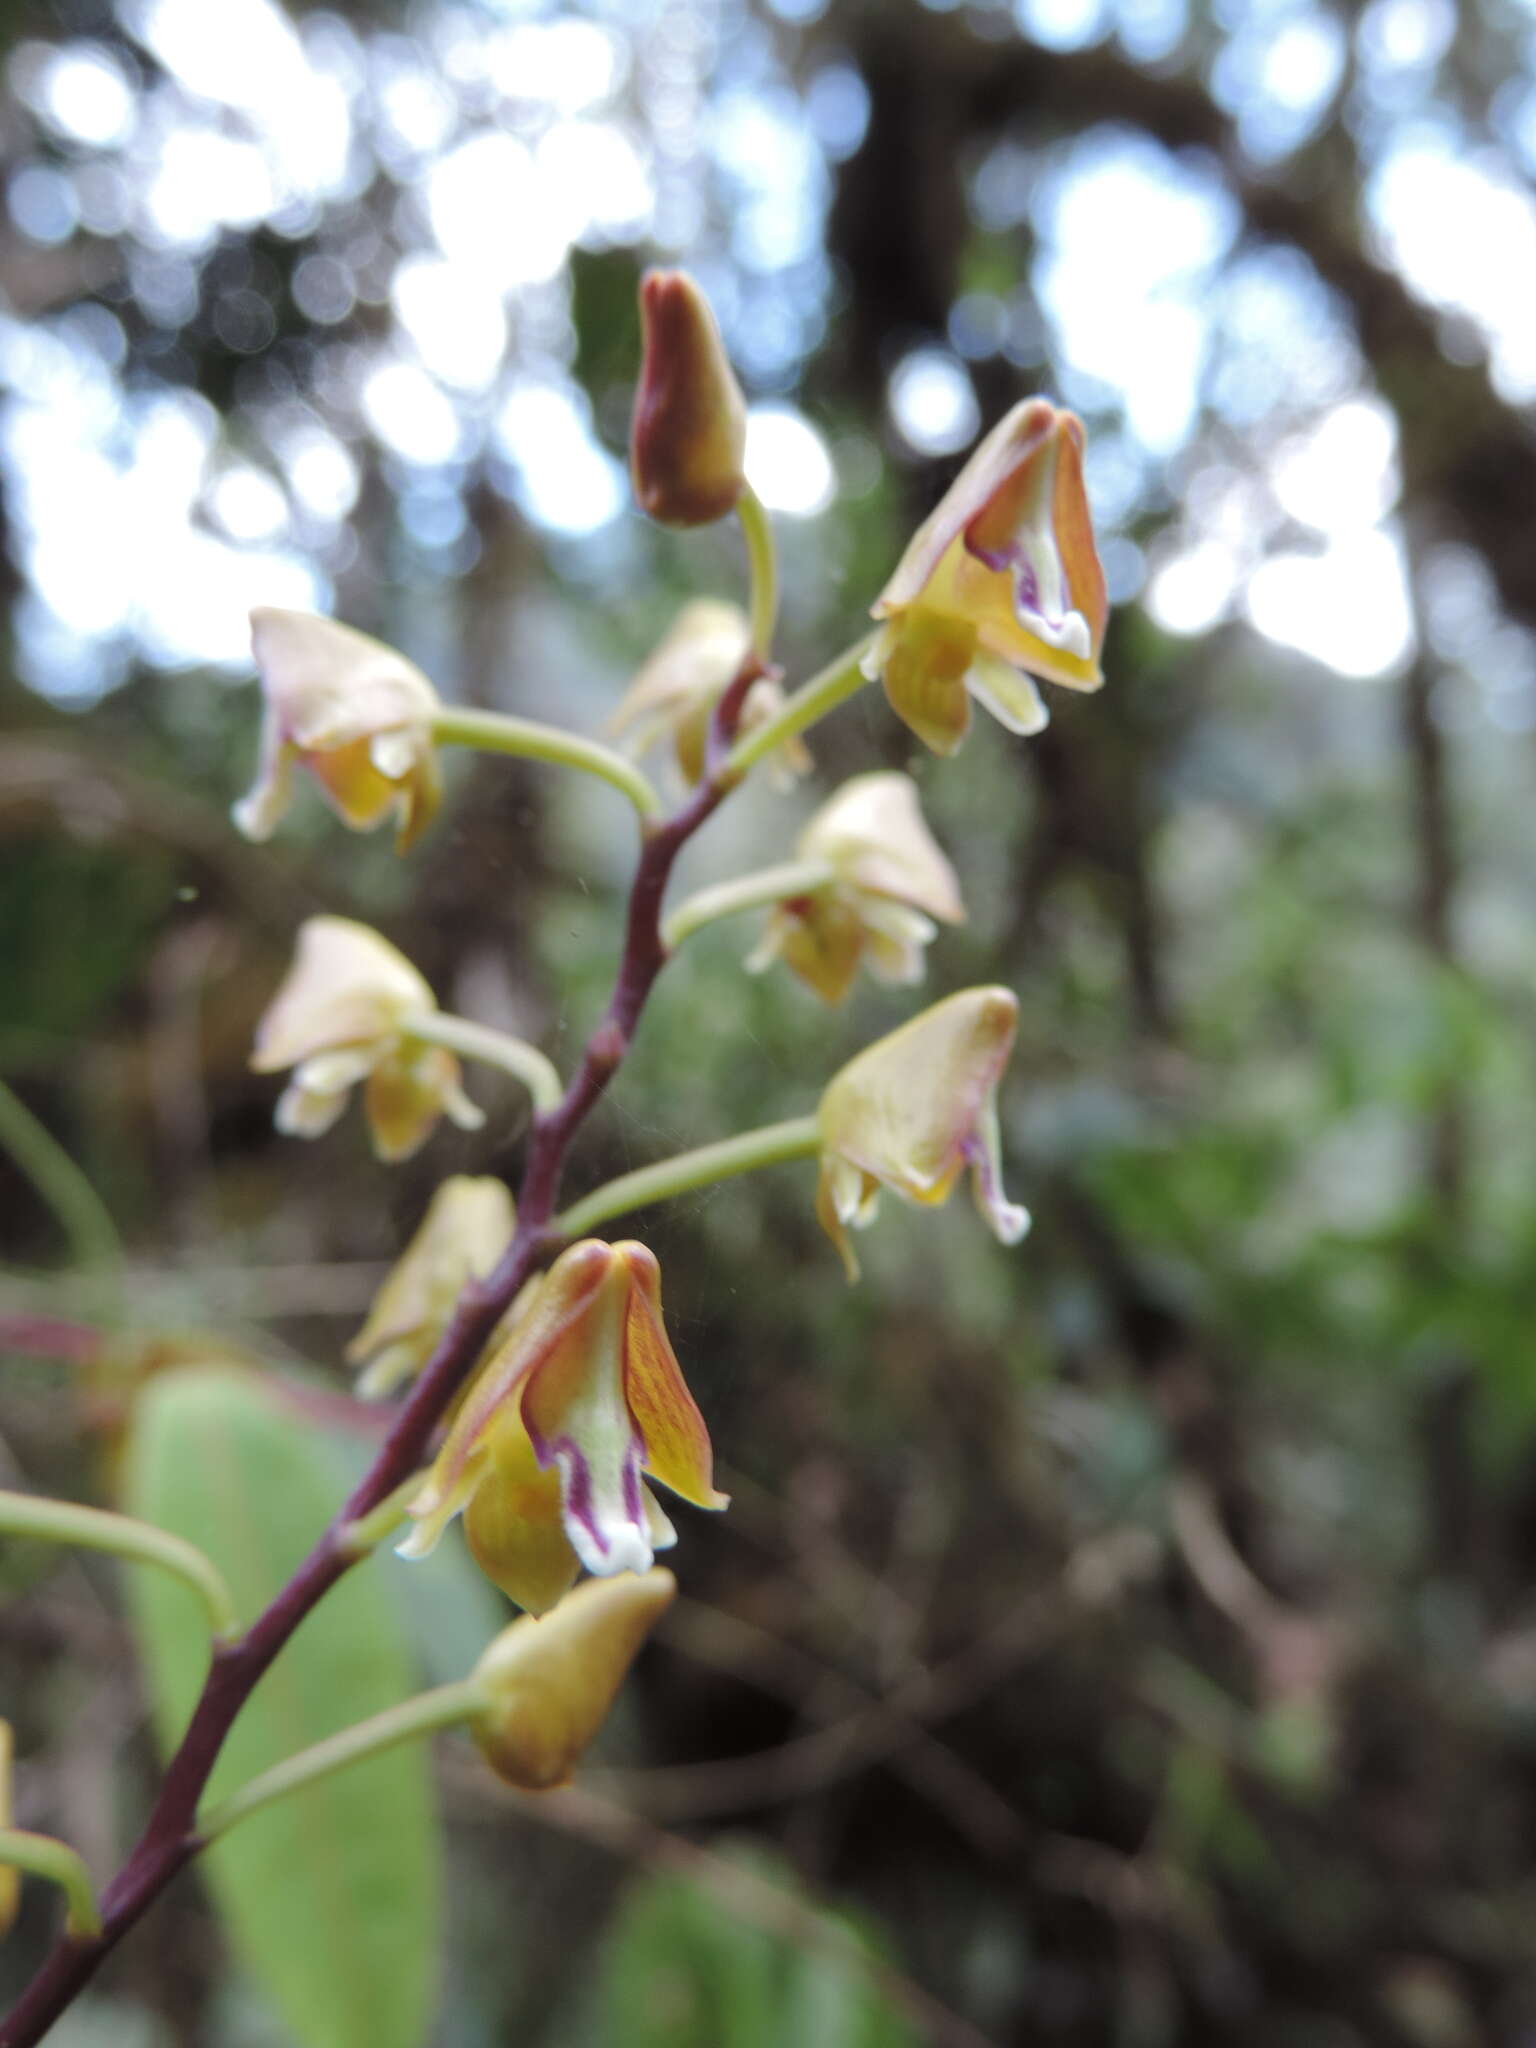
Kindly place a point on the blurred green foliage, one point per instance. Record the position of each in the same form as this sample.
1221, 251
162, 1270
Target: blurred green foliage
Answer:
679, 1973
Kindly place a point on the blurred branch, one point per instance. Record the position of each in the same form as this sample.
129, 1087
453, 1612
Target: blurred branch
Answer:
888, 1727
1432, 836
727, 1643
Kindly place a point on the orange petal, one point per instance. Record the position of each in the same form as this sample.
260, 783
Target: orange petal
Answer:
677, 1447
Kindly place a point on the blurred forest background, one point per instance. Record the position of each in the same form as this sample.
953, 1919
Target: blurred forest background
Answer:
1131, 1637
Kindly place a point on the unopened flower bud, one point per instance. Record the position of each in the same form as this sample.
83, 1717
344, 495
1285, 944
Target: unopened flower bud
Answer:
551, 1682
688, 436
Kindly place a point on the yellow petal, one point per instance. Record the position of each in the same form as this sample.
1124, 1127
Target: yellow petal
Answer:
819, 937
1007, 692
832, 1223
924, 658
448, 1491
513, 1525
406, 1094
895, 939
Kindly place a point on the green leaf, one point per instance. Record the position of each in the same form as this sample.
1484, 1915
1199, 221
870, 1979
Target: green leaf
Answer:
681, 1970
331, 1897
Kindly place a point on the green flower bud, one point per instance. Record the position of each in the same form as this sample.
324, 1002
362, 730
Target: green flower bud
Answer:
551, 1682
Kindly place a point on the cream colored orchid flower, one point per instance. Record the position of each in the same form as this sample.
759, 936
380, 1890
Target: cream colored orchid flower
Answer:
546, 1454
676, 689
468, 1224
551, 1682
342, 1017
1001, 583
357, 715
913, 1111
888, 882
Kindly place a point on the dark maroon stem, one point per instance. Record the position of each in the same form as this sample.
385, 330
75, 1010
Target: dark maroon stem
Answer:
170, 1839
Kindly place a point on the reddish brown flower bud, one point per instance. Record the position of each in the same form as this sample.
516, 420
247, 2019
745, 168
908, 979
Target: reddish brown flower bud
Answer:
688, 436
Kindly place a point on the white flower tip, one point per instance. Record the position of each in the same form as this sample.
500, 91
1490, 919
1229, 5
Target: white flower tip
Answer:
875, 656
466, 1114
379, 1379
658, 1526
393, 754
625, 1549
304, 1113
421, 1542
251, 820
1010, 1221
629, 1550
1070, 634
